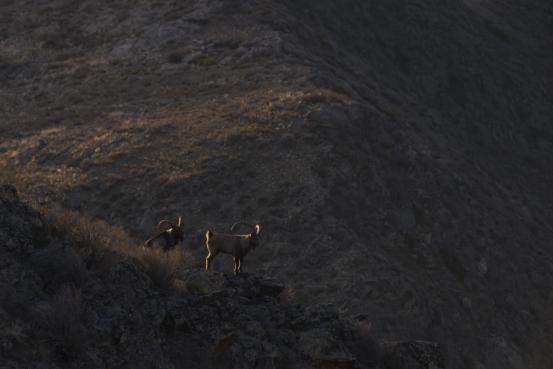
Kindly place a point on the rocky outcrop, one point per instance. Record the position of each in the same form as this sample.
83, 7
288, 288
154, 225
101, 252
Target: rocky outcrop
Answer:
58, 309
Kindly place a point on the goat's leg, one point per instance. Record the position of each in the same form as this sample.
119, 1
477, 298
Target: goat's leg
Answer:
236, 265
208, 259
239, 265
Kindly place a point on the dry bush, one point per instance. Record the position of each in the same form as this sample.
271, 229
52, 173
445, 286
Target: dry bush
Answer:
95, 240
162, 266
100, 244
87, 233
10, 175
60, 318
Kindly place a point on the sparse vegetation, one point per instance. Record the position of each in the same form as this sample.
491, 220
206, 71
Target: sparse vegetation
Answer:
100, 245
323, 120
95, 240
9, 175
78, 317
162, 266
204, 60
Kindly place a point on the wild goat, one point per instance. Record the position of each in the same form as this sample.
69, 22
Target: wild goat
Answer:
237, 245
168, 238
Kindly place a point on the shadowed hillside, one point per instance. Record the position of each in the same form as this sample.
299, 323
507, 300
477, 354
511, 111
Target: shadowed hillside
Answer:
397, 152
76, 293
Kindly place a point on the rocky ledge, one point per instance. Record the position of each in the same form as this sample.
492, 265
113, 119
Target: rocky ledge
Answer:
63, 307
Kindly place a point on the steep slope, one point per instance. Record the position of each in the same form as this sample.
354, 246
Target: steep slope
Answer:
64, 305
445, 171
396, 152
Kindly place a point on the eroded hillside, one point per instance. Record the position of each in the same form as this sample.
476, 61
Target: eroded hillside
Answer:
398, 153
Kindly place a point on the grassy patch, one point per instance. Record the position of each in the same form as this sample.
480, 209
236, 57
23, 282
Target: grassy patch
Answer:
88, 236
162, 266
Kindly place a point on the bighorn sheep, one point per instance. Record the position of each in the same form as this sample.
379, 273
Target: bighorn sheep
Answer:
237, 245
168, 238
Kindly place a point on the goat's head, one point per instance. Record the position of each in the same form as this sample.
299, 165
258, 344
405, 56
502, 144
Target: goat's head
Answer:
255, 237
255, 234
174, 229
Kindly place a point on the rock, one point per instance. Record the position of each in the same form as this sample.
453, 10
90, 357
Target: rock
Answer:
271, 286
324, 350
413, 355
200, 282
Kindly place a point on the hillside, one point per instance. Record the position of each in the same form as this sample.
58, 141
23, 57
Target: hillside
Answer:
397, 153
73, 294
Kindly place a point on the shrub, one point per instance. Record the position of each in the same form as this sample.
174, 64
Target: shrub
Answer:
10, 175
100, 245
95, 240
161, 266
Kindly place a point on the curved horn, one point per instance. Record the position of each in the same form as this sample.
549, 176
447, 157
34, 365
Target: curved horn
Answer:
257, 229
179, 223
238, 223
164, 221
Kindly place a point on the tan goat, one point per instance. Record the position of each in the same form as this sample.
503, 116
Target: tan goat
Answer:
237, 245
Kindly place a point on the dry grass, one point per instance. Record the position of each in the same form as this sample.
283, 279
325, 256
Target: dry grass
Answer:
100, 245
161, 266
10, 175
89, 236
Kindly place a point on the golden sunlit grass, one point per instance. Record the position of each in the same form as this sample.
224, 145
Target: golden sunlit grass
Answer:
10, 175
172, 141
101, 245
162, 266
